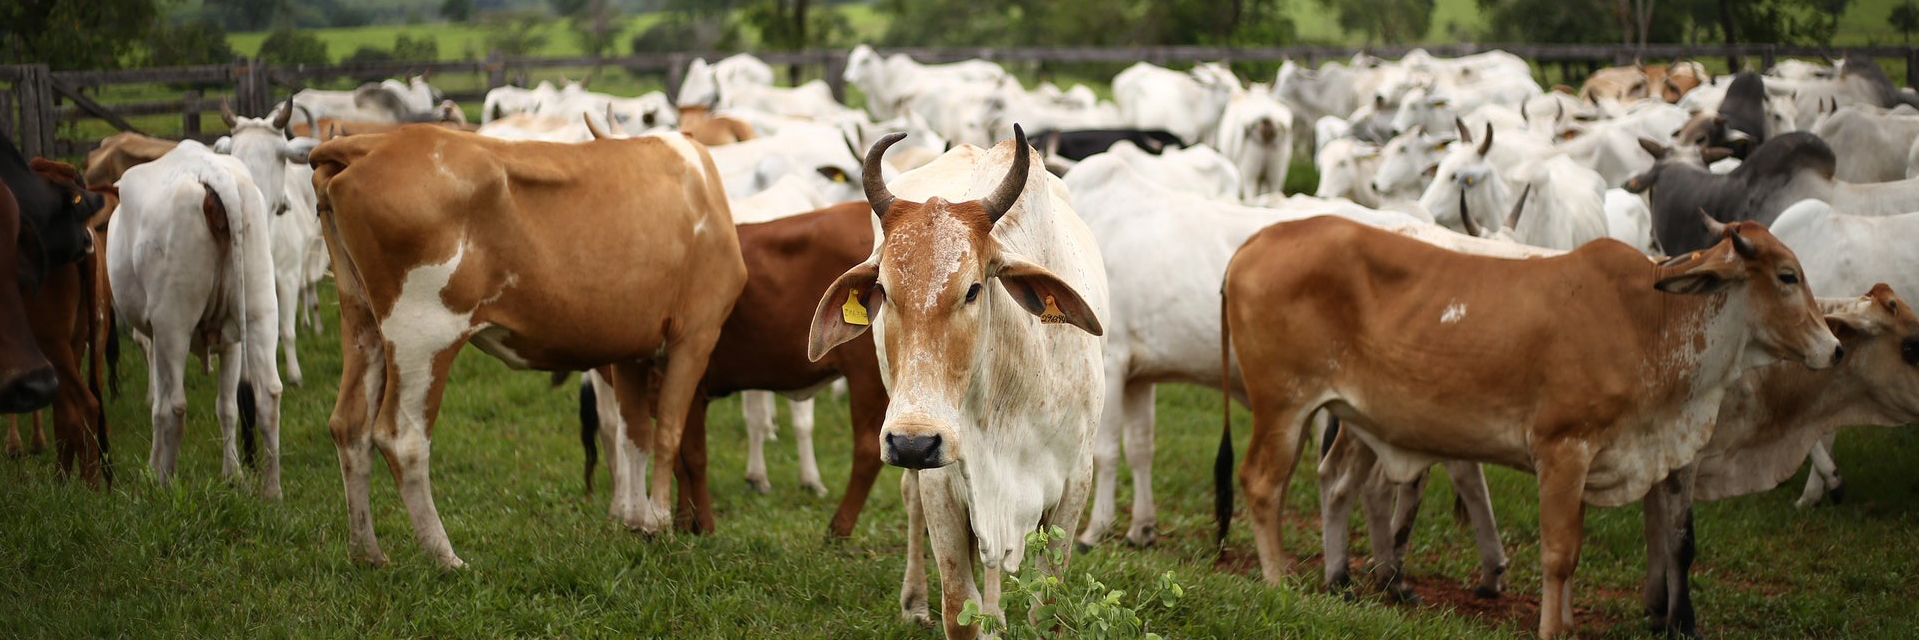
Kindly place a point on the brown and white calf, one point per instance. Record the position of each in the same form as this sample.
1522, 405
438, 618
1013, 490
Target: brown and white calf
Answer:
1596, 370
993, 406
558, 257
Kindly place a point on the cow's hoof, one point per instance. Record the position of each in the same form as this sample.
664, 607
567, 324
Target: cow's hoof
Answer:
1402, 595
1837, 496
818, 490
759, 485
1341, 583
1485, 592
1081, 546
1143, 536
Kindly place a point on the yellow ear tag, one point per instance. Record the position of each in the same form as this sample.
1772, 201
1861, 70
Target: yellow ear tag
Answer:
1051, 314
853, 312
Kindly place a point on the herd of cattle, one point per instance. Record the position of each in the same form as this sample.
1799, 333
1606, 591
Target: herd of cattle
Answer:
1480, 277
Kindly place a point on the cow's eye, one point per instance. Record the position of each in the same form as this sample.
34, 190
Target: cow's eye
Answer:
1789, 277
973, 292
1907, 350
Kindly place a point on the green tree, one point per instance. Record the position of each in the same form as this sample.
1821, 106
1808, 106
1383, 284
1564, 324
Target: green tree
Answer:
287, 45
185, 44
595, 23
248, 15
514, 33
457, 10
692, 25
421, 49
64, 34
1905, 20
1384, 21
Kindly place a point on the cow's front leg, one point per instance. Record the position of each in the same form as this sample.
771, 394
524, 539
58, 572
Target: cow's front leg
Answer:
416, 378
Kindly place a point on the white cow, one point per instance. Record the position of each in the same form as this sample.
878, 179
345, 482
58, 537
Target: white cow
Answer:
1197, 169
1842, 253
1566, 208
1873, 146
1166, 251
1630, 221
190, 261
993, 407
271, 159
506, 101
1256, 133
705, 83
1347, 167
819, 153
387, 102
1187, 104
891, 82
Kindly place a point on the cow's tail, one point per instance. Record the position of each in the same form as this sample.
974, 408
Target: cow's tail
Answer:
1223, 461
589, 430
224, 211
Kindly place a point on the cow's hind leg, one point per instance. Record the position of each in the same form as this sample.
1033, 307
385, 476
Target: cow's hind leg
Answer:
686, 364
288, 294
14, 448
1139, 446
1669, 513
1391, 508
1279, 427
803, 446
226, 407
415, 378
757, 408
866, 406
1106, 461
362, 379
1344, 467
1823, 476
167, 362
1470, 491
37, 440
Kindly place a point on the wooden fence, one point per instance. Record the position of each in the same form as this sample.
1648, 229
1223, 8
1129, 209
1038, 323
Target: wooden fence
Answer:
37, 101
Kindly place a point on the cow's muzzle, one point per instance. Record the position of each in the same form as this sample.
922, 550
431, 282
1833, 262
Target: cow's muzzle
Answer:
914, 451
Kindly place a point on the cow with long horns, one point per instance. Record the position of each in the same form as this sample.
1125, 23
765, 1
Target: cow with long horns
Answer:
993, 406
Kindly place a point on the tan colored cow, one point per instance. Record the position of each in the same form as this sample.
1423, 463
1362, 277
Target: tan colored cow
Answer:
556, 257
1596, 370
1640, 82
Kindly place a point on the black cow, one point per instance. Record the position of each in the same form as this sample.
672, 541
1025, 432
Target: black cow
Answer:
1077, 145
53, 214
1779, 173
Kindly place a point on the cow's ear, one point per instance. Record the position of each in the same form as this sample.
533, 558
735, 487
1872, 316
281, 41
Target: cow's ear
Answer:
1045, 295
1850, 326
298, 148
223, 145
846, 310
1702, 273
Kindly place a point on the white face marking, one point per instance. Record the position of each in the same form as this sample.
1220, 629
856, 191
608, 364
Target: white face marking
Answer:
1454, 313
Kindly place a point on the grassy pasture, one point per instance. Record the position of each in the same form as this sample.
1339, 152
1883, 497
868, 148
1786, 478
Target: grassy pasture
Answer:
201, 558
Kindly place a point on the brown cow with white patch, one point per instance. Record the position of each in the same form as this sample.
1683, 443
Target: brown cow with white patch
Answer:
558, 257
1596, 370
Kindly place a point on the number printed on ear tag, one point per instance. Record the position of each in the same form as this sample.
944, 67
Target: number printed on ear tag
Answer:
853, 312
1051, 314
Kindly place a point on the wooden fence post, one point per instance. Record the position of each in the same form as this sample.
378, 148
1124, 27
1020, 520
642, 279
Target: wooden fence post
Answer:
7, 115
37, 118
496, 70
190, 115
1913, 56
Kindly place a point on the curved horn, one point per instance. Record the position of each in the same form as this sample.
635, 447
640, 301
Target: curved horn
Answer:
878, 196
1487, 143
594, 128
286, 114
226, 114
1008, 192
1466, 220
1715, 228
1466, 137
1741, 244
1513, 218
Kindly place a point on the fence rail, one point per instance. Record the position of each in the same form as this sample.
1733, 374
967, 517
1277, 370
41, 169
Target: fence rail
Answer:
36, 100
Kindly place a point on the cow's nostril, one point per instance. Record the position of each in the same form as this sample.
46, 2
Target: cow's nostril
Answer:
1838, 353
914, 452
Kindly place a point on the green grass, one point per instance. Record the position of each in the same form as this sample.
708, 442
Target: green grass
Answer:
204, 559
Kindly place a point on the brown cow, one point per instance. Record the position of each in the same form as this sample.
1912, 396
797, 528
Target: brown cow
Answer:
61, 311
1639, 82
1595, 369
27, 380
712, 130
329, 128
763, 345
546, 256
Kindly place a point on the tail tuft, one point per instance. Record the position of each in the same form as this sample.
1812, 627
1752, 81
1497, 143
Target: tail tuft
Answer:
589, 431
247, 424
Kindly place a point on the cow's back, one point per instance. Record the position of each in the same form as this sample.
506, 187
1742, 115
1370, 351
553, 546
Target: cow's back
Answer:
789, 262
